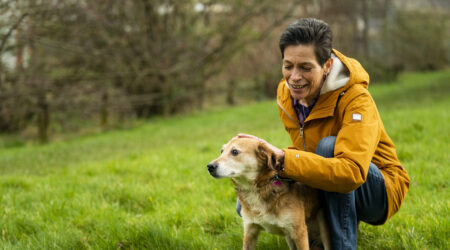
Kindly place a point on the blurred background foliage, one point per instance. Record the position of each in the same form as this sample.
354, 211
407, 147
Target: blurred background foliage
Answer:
70, 65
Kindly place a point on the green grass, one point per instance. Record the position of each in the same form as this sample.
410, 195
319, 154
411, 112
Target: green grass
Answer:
148, 188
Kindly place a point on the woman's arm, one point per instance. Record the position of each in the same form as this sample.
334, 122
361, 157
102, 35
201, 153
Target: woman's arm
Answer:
355, 146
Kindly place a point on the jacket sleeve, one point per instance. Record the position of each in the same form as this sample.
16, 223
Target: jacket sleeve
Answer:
355, 146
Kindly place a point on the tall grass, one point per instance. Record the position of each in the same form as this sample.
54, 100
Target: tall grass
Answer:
148, 188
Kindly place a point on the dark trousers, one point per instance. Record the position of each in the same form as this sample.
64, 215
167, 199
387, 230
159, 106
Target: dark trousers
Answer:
367, 203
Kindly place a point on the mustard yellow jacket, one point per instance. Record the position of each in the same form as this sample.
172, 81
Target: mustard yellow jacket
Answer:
344, 109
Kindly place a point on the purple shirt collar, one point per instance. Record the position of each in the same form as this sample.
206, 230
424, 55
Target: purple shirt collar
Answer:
303, 111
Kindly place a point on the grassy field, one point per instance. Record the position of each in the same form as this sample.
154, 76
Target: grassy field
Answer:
148, 188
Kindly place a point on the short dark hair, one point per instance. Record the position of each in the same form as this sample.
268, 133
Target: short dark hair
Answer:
309, 31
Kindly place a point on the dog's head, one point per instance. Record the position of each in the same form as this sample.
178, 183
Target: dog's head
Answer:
243, 157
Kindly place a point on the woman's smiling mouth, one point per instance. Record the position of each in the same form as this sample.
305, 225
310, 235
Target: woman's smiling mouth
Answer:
298, 86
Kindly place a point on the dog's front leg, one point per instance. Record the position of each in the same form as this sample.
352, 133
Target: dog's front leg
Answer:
300, 236
291, 243
324, 230
251, 232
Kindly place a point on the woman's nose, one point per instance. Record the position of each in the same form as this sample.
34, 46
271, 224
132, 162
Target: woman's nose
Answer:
296, 75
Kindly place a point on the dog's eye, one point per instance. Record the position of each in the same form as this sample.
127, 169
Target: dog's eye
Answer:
221, 151
234, 152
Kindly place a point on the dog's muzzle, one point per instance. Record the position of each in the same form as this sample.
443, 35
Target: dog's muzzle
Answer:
212, 167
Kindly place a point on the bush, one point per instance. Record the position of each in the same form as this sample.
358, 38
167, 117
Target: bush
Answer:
419, 41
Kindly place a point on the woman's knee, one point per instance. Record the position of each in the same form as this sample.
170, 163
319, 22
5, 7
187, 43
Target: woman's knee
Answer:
371, 197
325, 147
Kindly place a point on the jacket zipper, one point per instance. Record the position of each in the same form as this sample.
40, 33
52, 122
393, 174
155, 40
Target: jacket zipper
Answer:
302, 135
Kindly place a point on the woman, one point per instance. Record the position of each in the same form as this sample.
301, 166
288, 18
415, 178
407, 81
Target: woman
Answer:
340, 145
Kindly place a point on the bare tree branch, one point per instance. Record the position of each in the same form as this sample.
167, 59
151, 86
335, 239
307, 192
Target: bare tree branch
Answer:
10, 31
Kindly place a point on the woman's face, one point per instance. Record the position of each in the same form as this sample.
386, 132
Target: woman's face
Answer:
303, 72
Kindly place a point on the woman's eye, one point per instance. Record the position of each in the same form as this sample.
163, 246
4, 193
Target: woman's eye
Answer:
307, 69
234, 152
288, 67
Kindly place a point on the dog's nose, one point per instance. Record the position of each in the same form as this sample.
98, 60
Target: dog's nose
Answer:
212, 167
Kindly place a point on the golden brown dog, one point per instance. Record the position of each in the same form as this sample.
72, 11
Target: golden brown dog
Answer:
278, 206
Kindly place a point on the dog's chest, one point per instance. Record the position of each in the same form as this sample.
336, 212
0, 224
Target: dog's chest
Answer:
272, 223
259, 213
281, 225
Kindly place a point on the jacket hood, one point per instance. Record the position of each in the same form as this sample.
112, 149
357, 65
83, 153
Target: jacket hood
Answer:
337, 78
345, 72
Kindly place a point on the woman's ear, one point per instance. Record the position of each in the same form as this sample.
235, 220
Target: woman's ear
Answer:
327, 66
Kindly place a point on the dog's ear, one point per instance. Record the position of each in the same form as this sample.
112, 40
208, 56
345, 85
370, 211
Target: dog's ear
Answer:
267, 157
